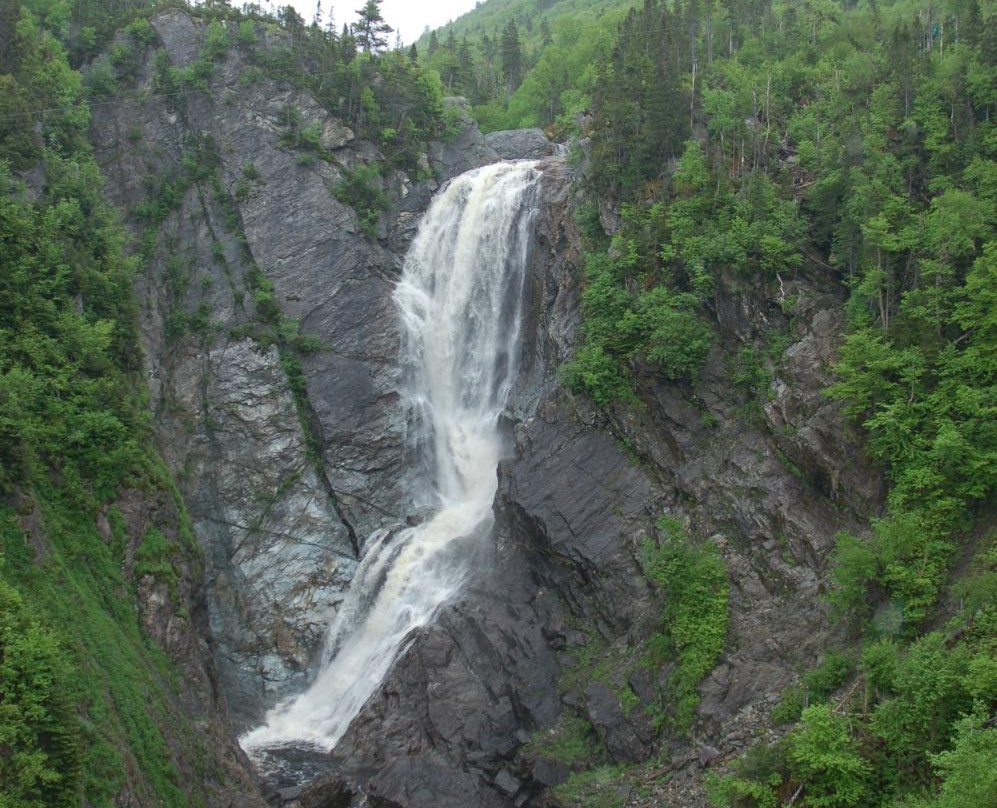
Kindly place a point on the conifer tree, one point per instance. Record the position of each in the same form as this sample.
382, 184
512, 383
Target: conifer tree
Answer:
371, 30
512, 57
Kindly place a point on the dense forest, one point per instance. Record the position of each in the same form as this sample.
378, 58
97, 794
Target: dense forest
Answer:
720, 143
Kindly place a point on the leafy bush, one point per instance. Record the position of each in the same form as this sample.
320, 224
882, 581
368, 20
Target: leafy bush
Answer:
906, 556
825, 759
596, 788
694, 617
101, 81
967, 772
154, 556
828, 676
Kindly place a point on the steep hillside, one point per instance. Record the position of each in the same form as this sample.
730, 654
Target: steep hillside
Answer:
108, 692
523, 63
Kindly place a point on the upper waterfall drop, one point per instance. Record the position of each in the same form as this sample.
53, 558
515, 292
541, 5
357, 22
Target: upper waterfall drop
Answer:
460, 299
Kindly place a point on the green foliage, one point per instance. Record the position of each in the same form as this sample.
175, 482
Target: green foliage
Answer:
757, 779
41, 107
639, 105
818, 684
154, 557
597, 374
790, 706
926, 693
968, 777
595, 788
41, 764
121, 684
916, 738
65, 335
635, 311
361, 190
694, 617
101, 82
906, 555
88, 708
387, 98
571, 741
854, 140
832, 672
748, 369
824, 757
246, 35
215, 44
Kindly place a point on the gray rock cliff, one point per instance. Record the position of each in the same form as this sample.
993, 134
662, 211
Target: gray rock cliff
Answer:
284, 474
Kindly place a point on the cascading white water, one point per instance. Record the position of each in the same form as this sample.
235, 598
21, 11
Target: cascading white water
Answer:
459, 299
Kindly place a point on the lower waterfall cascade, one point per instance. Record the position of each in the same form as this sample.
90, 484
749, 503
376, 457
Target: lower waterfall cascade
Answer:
460, 301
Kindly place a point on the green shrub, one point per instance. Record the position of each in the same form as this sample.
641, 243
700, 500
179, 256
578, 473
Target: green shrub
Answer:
928, 692
101, 81
247, 36
828, 676
215, 44
141, 31
360, 189
790, 706
967, 771
597, 374
154, 557
596, 788
572, 741
825, 759
694, 618
756, 781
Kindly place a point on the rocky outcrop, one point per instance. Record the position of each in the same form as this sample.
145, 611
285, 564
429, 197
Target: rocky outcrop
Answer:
521, 144
465, 148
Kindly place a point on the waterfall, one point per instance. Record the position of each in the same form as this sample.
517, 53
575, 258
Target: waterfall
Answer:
459, 300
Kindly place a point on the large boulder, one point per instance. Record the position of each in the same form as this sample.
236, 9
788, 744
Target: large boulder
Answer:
521, 144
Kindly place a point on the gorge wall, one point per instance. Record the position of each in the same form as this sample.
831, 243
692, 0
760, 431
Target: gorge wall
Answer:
271, 346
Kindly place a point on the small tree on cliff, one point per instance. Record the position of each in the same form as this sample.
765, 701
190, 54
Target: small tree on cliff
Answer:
371, 30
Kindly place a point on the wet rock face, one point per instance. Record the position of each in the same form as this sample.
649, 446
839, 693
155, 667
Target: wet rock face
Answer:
570, 511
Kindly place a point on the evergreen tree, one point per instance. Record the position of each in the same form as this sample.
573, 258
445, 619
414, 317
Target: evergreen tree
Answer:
371, 30
330, 26
347, 44
545, 35
10, 13
512, 57
290, 18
